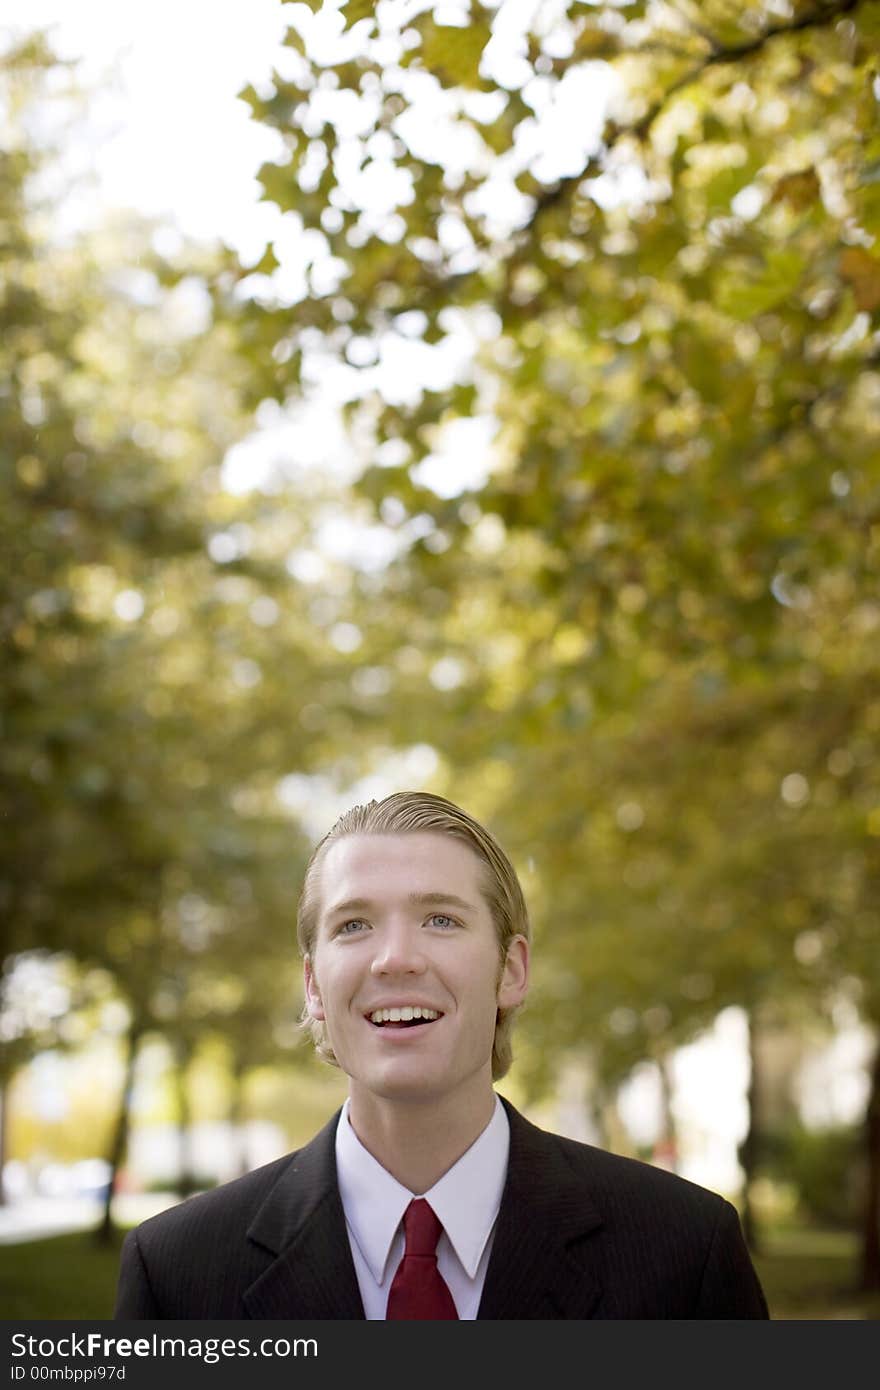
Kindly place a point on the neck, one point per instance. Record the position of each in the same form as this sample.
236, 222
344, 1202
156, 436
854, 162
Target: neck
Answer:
417, 1143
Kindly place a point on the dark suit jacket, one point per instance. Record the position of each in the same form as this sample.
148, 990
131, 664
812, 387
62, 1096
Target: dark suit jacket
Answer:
581, 1233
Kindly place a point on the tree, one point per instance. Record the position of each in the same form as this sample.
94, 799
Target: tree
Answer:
160, 653
657, 610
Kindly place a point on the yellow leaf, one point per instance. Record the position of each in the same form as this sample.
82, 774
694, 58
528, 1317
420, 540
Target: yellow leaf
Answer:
799, 190
862, 271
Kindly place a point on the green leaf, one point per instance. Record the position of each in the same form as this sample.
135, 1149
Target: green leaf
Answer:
744, 292
451, 53
356, 10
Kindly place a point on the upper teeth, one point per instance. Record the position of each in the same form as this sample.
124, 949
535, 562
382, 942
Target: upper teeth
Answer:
404, 1015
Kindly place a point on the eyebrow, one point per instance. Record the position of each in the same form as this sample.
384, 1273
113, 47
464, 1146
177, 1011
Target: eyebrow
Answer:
432, 899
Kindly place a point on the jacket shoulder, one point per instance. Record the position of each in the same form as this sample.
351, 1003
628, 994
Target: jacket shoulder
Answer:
633, 1180
658, 1245
226, 1209
194, 1259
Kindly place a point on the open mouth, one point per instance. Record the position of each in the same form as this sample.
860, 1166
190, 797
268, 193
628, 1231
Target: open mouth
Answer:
408, 1016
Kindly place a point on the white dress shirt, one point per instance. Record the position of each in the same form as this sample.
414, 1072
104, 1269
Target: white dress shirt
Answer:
466, 1200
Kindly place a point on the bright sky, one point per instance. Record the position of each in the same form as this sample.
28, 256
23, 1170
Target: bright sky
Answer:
169, 136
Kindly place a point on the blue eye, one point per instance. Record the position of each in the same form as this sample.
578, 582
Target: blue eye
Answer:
440, 919
351, 927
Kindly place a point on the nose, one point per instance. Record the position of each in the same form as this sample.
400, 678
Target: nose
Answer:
398, 951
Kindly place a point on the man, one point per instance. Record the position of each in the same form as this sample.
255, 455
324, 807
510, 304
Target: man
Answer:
427, 1196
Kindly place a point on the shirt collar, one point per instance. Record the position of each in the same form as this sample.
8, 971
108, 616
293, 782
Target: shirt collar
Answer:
466, 1199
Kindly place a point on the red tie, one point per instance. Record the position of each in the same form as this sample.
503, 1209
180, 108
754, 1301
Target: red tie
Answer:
418, 1289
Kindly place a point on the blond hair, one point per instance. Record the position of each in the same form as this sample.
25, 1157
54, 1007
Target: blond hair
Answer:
409, 813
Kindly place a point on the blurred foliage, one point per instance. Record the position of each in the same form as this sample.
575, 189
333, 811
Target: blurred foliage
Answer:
648, 641
825, 1167
157, 650
809, 1275
647, 630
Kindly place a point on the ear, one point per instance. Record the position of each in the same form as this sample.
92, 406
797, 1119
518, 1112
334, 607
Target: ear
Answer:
313, 994
515, 975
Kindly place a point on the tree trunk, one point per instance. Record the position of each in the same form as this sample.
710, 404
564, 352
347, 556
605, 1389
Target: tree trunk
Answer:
187, 1180
237, 1118
105, 1232
870, 1271
5, 1083
666, 1150
749, 1149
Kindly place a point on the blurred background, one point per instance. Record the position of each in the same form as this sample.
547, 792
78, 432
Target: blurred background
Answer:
481, 398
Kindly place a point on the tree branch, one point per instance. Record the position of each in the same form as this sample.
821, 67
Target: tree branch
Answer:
718, 56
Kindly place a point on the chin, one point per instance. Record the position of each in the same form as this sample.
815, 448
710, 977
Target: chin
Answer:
409, 1085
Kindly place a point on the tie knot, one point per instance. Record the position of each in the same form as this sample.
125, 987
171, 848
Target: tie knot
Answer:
422, 1228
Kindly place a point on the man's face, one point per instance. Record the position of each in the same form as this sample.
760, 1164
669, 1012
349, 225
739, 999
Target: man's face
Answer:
404, 925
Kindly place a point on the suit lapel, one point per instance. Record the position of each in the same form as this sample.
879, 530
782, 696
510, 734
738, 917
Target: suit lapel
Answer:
545, 1260
545, 1256
302, 1224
